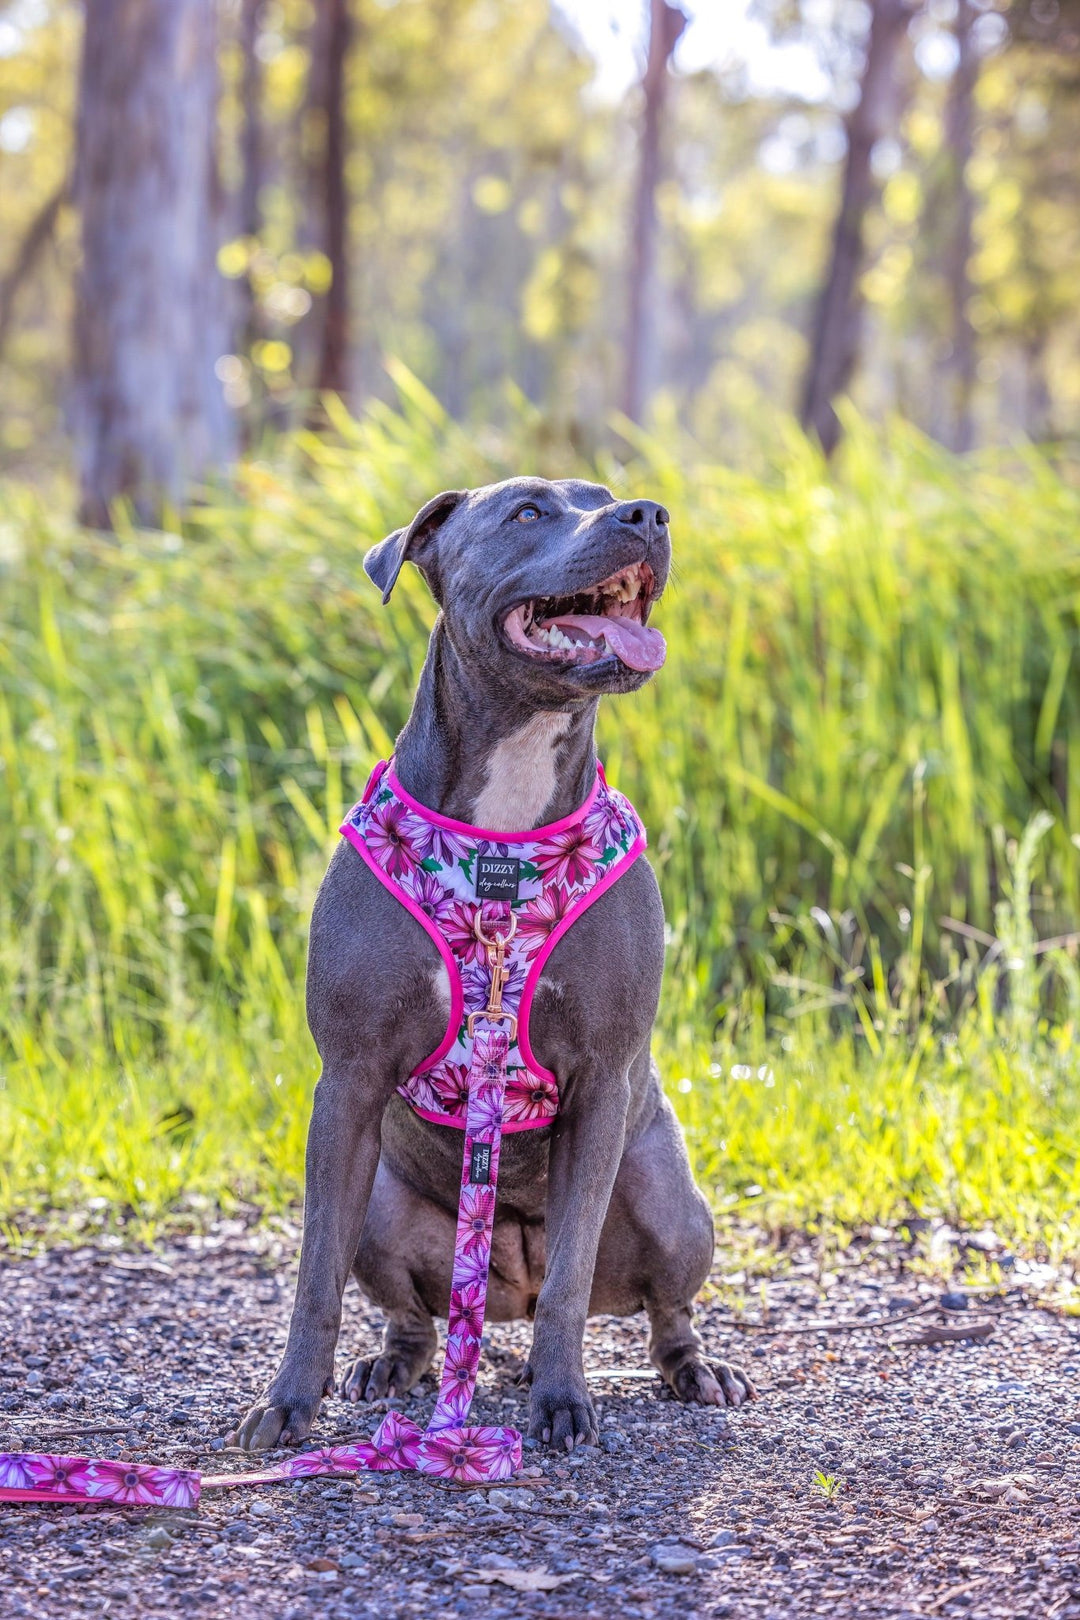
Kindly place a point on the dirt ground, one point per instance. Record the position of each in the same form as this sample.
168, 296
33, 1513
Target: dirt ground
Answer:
948, 1474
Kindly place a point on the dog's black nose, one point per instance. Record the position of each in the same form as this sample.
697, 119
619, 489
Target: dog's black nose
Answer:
646, 516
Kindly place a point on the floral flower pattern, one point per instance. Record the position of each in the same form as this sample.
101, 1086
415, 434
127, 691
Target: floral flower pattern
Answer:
428, 893
467, 1311
393, 840
541, 916
568, 857
530, 1097
43, 1475
17, 1470
68, 1476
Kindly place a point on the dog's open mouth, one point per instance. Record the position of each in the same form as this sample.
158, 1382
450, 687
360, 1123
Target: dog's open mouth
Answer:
588, 625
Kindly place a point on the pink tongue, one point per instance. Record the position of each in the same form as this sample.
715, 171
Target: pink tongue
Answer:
635, 644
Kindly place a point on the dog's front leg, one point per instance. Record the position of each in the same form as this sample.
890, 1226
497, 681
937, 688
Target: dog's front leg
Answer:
342, 1156
586, 1147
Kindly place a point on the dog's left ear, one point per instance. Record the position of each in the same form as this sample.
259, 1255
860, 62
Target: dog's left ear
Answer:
383, 562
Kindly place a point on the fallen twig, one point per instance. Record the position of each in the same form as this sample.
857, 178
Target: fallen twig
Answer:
981, 1328
54, 1431
834, 1327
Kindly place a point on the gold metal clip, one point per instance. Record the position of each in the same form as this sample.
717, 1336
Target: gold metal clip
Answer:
496, 951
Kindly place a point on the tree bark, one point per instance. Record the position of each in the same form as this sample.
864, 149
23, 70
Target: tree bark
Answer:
151, 314
330, 39
838, 318
247, 200
665, 27
959, 124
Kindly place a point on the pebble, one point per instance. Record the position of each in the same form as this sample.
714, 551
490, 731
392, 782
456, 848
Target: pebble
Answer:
674, 1560
473, 1591
954, 1302
159, 1537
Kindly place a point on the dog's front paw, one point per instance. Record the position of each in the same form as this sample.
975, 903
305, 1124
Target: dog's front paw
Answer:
712, 1383
561, 1413
283, 1417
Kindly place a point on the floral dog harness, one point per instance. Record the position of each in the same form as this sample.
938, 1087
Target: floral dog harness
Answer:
495, 904
463, 885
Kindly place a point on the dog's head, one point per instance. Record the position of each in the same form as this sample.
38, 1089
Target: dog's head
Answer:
548, 585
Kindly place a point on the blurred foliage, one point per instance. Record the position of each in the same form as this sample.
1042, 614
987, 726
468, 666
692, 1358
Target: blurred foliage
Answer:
858, 770
489, 217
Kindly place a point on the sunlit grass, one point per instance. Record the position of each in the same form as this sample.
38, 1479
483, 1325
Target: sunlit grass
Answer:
869, 697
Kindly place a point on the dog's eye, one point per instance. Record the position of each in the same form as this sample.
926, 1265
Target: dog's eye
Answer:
527, 514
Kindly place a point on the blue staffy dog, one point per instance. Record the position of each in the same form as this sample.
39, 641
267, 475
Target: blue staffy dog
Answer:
545, 591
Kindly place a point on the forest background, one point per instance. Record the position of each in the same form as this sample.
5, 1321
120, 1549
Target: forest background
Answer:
271, 274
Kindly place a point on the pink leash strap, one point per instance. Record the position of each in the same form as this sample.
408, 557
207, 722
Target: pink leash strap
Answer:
449, 1448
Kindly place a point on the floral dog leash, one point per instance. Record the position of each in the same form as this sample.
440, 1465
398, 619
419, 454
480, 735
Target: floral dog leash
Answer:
449, 1448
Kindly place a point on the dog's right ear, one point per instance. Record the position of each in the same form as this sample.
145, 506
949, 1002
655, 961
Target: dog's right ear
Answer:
383, 562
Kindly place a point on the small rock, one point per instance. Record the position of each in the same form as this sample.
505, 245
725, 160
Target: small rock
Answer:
178, 1417
35, 1361
503, 1499
1015, 1440
674, 1560
237, 1342
612, 1441
953, 1302
159, 1537
259, 1508
473, 1591
1073, 1428
724, 1538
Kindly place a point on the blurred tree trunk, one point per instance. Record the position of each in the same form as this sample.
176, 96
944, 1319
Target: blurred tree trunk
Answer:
248, 214
838, 318
665, 27
151, 315
959, 135
330, 37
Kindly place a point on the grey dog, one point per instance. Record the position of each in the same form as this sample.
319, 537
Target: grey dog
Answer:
597, 1212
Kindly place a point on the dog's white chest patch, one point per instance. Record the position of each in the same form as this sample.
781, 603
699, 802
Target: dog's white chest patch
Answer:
520, 778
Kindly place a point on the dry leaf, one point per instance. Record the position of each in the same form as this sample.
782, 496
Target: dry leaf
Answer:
1005, 1487
523, 1580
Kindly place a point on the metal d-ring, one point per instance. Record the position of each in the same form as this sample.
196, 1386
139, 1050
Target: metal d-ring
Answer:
498, 942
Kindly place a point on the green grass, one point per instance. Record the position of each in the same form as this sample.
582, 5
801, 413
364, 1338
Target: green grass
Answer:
869, 698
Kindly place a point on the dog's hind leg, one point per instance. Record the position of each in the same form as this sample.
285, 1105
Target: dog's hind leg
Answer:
395, 1234
656, 1251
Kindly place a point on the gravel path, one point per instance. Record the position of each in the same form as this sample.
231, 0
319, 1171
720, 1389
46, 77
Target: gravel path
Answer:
954, 1468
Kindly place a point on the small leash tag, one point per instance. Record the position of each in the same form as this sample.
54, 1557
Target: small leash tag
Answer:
497, 877
480, 1163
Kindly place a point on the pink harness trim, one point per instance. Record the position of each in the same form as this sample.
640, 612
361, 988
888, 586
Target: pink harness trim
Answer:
437, 868
563, 868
